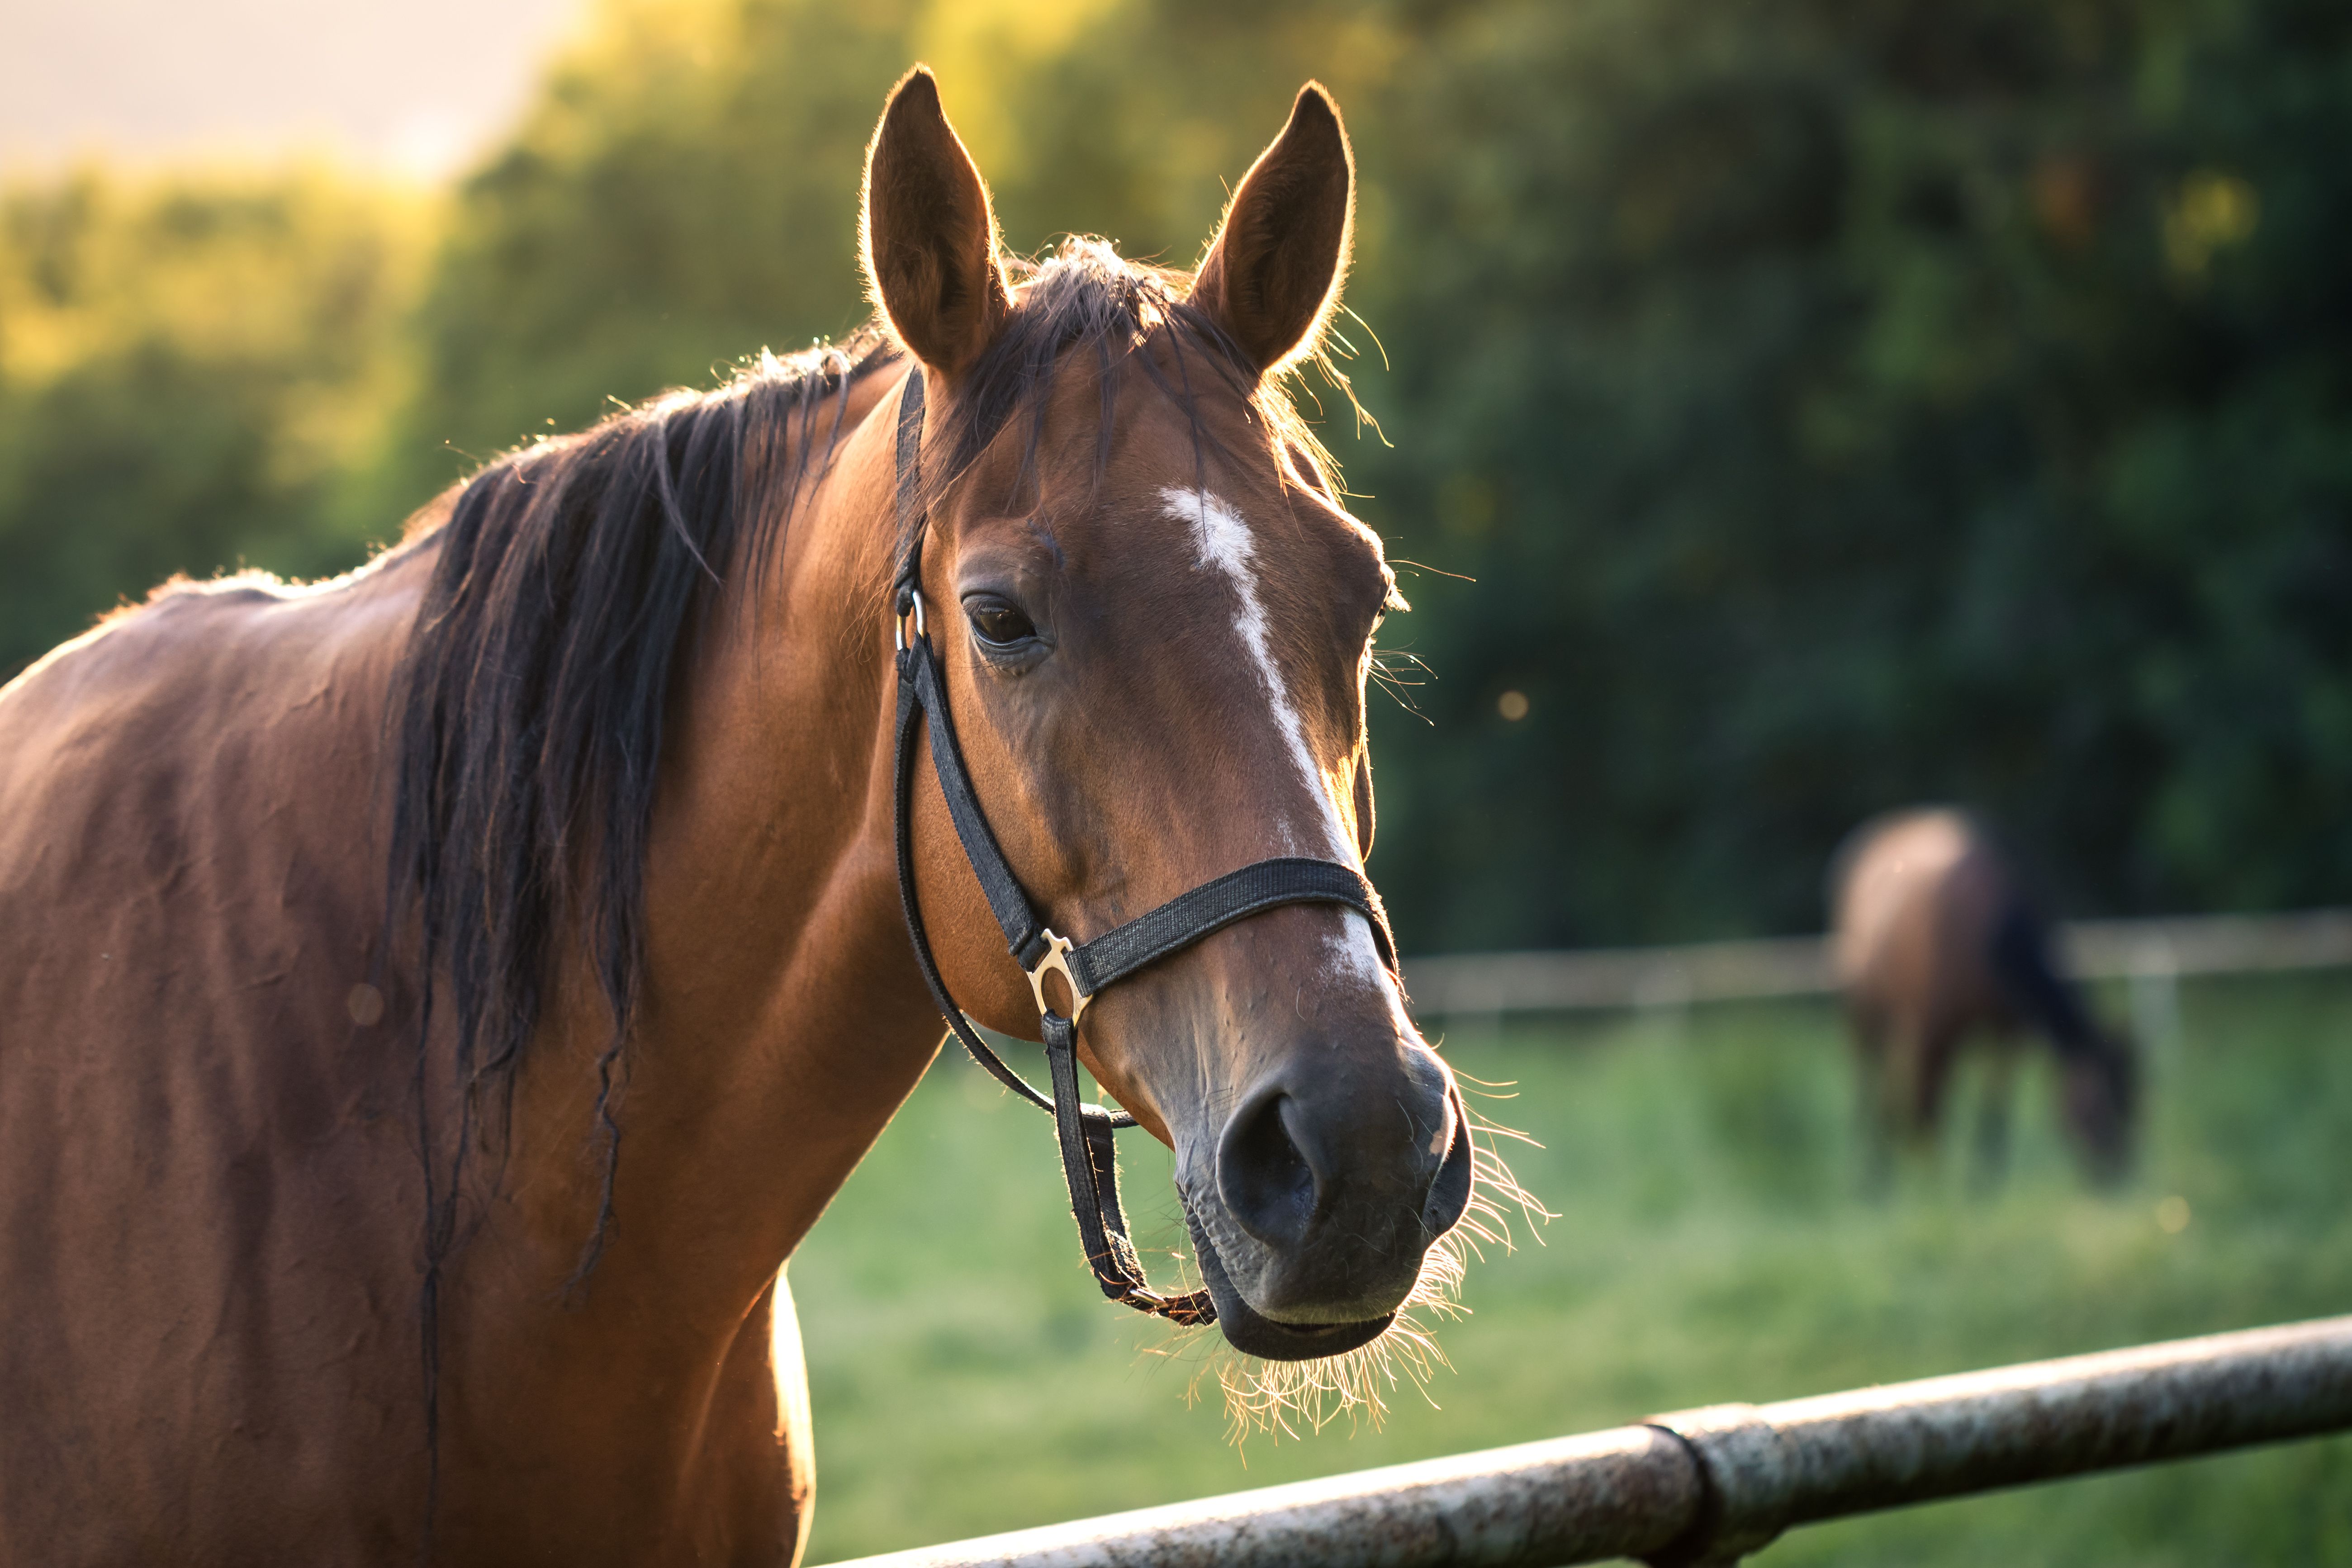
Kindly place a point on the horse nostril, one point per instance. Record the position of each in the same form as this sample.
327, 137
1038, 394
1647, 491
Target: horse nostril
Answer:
1449, 1190
1267, 1182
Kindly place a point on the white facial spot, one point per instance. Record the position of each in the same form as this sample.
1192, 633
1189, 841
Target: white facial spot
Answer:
1226, 547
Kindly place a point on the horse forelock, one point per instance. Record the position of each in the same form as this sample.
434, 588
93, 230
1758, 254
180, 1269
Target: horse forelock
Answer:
1086, 305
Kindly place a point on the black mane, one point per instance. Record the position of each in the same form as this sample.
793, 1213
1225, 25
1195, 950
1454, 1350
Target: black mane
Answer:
527, 719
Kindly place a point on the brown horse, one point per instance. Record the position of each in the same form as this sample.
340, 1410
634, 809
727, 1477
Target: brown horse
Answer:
1935, 940
343, 1225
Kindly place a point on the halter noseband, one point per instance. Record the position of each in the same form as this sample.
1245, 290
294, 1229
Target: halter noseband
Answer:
1089, 1160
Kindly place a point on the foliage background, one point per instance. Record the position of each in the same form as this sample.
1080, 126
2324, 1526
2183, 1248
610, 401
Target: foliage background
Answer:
1834, 402
1807, 406
1710, 1245
194, 374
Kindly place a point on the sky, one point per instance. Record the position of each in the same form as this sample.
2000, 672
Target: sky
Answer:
412, 87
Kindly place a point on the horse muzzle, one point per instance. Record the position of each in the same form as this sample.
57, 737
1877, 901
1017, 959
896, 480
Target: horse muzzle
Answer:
1300, 1263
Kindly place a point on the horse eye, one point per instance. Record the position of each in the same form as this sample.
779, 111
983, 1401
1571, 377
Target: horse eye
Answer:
998, 622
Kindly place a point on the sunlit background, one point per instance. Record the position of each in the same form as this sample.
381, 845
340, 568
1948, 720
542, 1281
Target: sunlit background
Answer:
1792, 409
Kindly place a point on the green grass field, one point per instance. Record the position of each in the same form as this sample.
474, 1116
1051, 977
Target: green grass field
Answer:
1711, 1245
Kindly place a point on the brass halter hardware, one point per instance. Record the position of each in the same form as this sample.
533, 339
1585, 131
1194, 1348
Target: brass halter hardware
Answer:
899, 637
1057, 962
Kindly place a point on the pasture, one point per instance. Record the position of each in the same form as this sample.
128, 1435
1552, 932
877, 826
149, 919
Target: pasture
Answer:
1711, 1245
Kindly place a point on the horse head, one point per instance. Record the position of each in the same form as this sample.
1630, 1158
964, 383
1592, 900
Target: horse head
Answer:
1154, 618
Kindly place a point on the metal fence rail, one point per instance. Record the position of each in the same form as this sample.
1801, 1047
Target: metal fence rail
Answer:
1705, 1486
1497, 983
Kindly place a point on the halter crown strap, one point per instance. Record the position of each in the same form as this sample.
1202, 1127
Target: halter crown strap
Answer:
1023, 933
1089, 1165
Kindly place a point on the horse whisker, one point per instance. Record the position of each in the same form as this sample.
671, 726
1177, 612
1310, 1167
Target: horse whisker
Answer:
1280, 1398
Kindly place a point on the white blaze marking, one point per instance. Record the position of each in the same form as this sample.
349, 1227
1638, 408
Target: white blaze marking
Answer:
1225, 545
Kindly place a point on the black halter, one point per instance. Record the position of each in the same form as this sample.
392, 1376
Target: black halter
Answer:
1089, 1160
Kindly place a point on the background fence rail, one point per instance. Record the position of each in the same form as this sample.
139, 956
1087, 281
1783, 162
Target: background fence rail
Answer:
2142, 951
1707, 1486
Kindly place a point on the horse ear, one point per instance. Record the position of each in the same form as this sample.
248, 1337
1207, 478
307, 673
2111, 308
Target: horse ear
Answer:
1273, 273
928, 234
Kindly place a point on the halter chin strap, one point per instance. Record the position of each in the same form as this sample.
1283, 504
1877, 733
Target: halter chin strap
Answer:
1088, 1161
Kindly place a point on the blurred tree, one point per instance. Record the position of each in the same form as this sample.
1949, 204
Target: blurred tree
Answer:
683, 192
1847, 401
190, 369
1148, 157
1837, 403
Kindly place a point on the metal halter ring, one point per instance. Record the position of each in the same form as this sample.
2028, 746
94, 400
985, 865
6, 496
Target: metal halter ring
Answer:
1057, 961
899, 622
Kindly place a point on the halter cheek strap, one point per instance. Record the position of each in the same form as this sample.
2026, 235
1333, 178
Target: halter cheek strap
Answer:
1088, 1161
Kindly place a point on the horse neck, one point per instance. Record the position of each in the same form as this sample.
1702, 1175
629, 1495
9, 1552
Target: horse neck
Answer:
783, 1021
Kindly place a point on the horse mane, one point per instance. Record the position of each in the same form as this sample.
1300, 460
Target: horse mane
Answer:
526, 721
1086, 298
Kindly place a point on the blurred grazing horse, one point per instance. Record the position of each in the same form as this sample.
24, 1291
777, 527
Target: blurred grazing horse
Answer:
1935, 941
435, 1003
